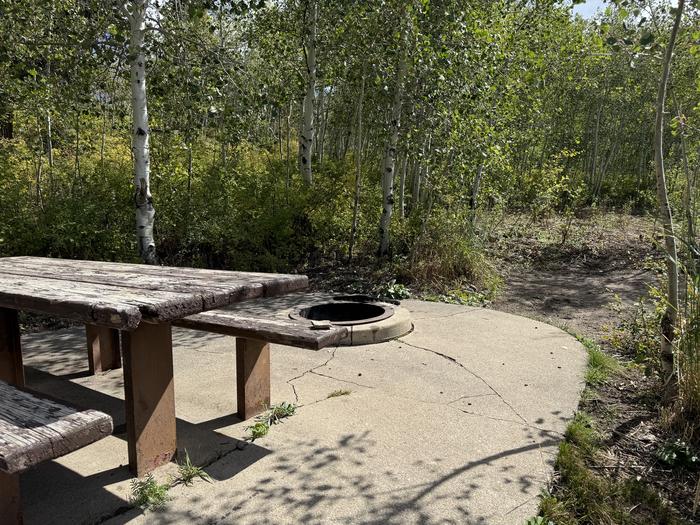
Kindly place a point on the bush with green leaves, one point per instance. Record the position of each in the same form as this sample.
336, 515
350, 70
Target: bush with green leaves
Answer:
678, 454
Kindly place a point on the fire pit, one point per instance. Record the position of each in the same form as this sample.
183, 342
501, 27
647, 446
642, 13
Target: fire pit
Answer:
368, 320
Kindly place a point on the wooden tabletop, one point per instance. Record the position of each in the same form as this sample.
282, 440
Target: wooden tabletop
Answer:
121, 295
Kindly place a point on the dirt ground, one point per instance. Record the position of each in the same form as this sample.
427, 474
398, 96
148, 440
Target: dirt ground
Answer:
584, 285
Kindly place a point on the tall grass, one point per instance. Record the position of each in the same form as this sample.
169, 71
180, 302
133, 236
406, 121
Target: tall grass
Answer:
686, 413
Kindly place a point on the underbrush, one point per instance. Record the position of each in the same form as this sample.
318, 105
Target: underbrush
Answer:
587, 237
627, 458
684, 415
603, 475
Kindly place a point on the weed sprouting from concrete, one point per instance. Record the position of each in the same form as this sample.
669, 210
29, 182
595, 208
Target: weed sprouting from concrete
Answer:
272, 416
187, 472
147, 493
339, 393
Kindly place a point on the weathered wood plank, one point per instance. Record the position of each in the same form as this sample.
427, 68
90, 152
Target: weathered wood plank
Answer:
61, 299
167, 278
292, 333
34, 429
121, 295
149, 390
212, 295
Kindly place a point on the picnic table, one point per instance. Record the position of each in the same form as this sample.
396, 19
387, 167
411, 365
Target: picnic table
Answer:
140, 301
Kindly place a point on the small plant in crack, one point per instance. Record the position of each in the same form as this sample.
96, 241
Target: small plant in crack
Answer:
258, 430
188, 472
276, 413
147, 493
339, 393
271, 416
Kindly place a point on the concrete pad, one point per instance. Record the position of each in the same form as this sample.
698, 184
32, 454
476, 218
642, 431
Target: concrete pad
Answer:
456, 422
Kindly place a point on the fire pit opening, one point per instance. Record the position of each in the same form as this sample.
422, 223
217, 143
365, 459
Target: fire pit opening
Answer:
346, 312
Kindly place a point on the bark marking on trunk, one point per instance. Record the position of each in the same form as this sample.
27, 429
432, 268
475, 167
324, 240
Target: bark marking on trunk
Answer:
143, 201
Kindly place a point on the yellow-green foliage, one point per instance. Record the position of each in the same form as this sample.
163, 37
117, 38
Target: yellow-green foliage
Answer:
77, 211
240, 212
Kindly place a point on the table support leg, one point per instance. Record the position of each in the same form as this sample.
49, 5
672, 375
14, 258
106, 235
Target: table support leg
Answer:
10, 501
252, 376
150, 396
11, 369
103, 348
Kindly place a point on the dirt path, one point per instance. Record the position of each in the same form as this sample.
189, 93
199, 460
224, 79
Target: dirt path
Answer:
586, 301
587, 285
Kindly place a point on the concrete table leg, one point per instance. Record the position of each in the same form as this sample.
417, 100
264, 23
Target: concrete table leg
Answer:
103, 348
10, 501
11, 369
252, 376
150, 396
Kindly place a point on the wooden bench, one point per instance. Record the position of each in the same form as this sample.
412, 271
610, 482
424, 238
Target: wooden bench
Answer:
253, 338
33, 430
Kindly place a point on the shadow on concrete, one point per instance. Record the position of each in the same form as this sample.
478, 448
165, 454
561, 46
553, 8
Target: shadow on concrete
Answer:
51, 490
309, 489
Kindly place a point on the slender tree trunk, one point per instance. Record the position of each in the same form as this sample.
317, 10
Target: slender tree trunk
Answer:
688, 198
49, 138
104, 138
474, 199
389, 164
417, 183
289, 139
324, 126
77, 148
145, 212
280, 140
668, 321
358, 171
39, 194
402, 188
306, 138
318, 115
594, 163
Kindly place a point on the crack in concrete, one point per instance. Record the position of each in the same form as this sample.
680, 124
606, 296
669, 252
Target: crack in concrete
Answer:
470, 397
474, 374
446, 316
342, 380
290, 382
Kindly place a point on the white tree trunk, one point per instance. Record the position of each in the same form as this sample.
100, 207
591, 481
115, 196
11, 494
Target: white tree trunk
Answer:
389, 163
306, 139
669, 319
145, 213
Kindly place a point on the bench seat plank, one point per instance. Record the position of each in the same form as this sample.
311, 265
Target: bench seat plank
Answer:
279, 331
35, 429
